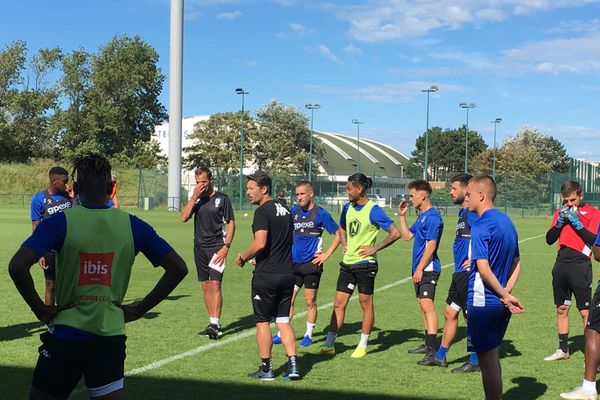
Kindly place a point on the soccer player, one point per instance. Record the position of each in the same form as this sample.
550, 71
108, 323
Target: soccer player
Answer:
96, 248
273, 278
113, 200
360, 222
494, 271
457, 294
214, 227
426, 268
587, 390
310, 221
575, 226
55, 199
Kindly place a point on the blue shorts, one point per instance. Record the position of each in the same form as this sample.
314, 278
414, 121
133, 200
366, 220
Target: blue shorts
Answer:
486, 327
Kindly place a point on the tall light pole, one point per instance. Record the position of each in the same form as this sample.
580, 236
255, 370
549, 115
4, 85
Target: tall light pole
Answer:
432, 89
243, 93
467, 106
312, 108
495, 122
357, 123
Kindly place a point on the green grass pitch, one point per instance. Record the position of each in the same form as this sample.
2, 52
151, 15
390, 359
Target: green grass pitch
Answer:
166, 359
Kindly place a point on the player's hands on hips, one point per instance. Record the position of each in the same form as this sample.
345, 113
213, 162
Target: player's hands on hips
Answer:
221, 255
366, 251
573, 217
417, 276
46, 313
320, 258
130, 312
467, 265
42, 263
513, 304
403, 207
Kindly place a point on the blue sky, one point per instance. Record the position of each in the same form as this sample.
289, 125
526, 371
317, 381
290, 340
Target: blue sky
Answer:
532, 63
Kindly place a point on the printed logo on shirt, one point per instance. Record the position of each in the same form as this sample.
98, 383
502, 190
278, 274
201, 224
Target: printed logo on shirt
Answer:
95, 268
217, 202
58, 208
354, 227
281, 210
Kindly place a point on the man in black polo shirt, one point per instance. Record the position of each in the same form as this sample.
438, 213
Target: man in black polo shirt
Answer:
214, 227
273, 279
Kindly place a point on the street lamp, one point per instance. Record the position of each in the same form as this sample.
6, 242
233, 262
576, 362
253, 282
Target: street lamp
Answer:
357, 122
312, 108
432, 89
467, 106
495, 122
242, 92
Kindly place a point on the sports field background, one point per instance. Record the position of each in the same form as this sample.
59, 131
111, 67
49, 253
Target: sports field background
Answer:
170, 361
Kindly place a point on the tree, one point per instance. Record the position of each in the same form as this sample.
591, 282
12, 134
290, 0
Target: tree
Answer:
122, 101
216, 142
550, 150
446, 155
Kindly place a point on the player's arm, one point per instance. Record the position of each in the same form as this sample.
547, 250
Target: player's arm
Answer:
175, 271
322, 257
596, 251
342, 237
572, 217
188, 210
34, 224
514, 274
430, 247
404, 229
488, 277
223, 251
116, 202
259, 243
393, 235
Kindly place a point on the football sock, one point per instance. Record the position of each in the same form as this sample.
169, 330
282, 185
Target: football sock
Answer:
309, 329
473, 358
292, 360
589, 386
430, 341
265, 364
215, 321
364, 339
441, 353
278, 334
563, 342
331, 336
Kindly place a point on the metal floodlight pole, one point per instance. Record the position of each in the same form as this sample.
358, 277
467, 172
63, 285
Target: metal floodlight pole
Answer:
312, 108
495, 122
432, 89
357, 123
467, 107
243, 93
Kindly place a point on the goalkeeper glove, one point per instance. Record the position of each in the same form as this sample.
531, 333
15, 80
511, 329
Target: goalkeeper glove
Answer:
573, 217
562, 217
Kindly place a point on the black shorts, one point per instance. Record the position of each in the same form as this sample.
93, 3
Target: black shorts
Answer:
62, 362
594, 315
202, 257
307, 274
457, 294
50, 272
426, 288
272, 296
362, 275
572, 278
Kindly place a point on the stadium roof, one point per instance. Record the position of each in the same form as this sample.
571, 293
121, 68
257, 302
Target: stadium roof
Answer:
376, 159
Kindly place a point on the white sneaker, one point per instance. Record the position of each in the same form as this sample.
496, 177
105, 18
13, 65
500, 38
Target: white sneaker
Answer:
557, 355
579, 394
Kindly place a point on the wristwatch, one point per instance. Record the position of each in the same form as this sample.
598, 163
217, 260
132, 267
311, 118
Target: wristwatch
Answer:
228, 245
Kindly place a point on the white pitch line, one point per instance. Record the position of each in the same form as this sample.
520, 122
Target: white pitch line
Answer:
251, 332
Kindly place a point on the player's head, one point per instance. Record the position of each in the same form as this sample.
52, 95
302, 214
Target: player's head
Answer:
481, 193
305, 194
59, 177
204, 177
419, 191
258, 187
92, 176
357, 186
458, 187
571, 193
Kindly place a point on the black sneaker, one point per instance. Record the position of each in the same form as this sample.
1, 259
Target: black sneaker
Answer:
214, 331
292, 373
466, 367
204, 332
430, 361
261, 375
422, 349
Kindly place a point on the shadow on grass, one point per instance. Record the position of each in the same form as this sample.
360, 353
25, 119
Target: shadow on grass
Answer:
19, 331
528, 388
577, 343
385, 340
241, 324
508, 349
150, 388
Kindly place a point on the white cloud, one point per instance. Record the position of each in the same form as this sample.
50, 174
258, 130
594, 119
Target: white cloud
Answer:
576, 140
385, 93
251, 63
229, 16
327, 53
577, 26
353, 50
381, 20
299, 29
